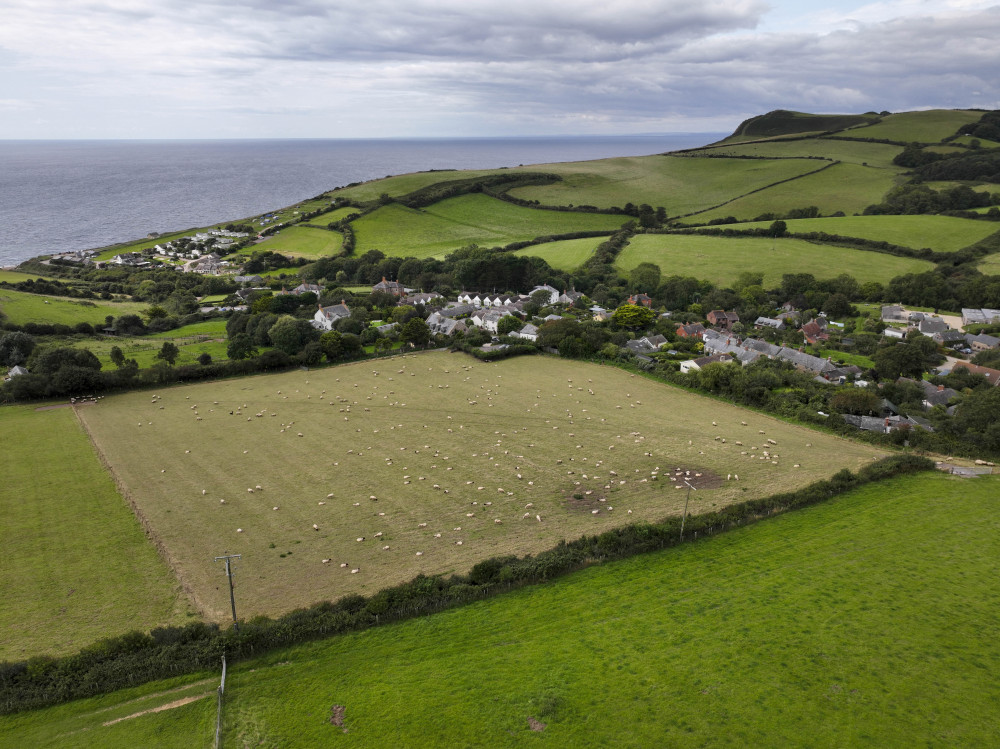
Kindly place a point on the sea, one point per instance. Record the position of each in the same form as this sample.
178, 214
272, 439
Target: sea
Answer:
57, 196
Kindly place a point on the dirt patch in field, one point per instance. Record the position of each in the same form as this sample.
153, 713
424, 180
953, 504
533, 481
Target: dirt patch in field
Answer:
535, 725
169, 706
697, 477
580, 501
337, 716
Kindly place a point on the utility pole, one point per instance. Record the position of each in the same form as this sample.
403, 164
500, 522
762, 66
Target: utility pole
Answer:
229, 574
686, 500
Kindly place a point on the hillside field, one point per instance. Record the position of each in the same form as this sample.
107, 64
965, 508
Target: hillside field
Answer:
872, 154
77, 566
940, 233
928, 126
468, 219
20, 307
721, 259
447, 445
681, 184
783, 633
843, 187
304, 241
566, 254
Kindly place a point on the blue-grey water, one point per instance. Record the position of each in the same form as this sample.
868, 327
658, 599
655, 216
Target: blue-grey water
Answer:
73, 195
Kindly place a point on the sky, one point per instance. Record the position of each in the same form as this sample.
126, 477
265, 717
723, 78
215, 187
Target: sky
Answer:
466, 68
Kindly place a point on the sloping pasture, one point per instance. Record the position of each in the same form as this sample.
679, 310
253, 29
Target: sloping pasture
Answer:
721, 259
917, 127
20, 307
304, 241
874, 154
566, 254
417, 454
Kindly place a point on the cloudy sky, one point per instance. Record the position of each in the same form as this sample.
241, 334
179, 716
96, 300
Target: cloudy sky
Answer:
388, 68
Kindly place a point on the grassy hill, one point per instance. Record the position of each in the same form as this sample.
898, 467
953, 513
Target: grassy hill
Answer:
304, 241
940, 233
868, 619
20, 307
783, 122
566, 254
917, 127
468, 219
722, 259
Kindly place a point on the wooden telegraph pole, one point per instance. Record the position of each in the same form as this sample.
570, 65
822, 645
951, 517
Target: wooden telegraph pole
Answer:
229, 574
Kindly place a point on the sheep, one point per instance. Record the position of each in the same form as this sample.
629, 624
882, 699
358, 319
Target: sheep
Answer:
326, 561
360, 539
355, 571
498, 521
315, 527
203, 492
239, 530
538, 518
258, 487
420, 553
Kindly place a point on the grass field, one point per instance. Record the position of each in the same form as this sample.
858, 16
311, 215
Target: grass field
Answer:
784, 633
721, 259
144, 349
77, 566
940, 233
406, 183
304, 241
336, 215
920, 127
566, 254
21, 307
873, 154
990, 265
844, 187
843, 357
467, 219
214, 328
679, 184
13, 276
434, 419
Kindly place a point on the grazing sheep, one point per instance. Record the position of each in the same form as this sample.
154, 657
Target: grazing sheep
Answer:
315, 527
498, 521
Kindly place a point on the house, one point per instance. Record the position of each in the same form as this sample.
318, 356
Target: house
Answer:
459, 310
951, 337
599, 314
694, 330
769, 322
569, 297
421, 298
385, 329
807, 362
642, 299
722, 319
655, 341
894, 333
488, 319
389, 287
692, 365
16, 371
982, 342
326, 317
442, 325
550, 290
882, 424
992, 375
248, 279
813, 331
931, 325
529, 333
717, 343
893, 313
307, 288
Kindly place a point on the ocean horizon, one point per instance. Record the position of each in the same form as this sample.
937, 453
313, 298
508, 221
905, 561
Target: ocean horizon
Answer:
63, 195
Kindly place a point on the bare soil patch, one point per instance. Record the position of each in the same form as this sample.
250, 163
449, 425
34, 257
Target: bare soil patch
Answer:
169, 706
535, 725
337, 716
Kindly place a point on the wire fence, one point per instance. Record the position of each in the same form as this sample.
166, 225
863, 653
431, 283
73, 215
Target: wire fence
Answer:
218, 712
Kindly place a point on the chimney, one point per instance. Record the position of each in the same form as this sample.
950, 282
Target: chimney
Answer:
940, 388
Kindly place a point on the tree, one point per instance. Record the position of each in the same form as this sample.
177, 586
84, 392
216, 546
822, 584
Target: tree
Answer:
634, 316
415, 331
15, 347
117, 356
778, 229
205, 359
241, 346
853, 400
290, 334
644, 276
509, 324
129, 325
168, 352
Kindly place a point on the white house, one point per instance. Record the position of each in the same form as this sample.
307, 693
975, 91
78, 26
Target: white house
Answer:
529, 333
326, 317
552, 292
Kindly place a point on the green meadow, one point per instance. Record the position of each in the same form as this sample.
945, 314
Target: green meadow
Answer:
940, 233
681, 184
13, 276
468, 219
403, 184
721, 259
20, 307
917, 127
843, 187
990, 265
77, 565
868, 620
566, 254
335, 215
872, 154
304, 241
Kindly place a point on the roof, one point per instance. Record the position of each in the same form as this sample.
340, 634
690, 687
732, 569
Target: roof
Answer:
992, 375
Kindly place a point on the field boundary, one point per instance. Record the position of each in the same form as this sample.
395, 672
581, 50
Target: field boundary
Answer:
147, 527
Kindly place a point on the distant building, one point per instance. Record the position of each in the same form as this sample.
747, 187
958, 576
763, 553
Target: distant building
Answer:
326, 317
389, 287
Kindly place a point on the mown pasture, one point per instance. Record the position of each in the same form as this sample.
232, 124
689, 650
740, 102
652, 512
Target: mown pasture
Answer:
14, 276
990, 265
721, 259
783, 633
681, 184
940, 233
77, 566
304, 241
872, 154
402, 184
843, 187
20, 307
468, 219
566, 254
335, 215
144, 349
422, 434
928, 126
